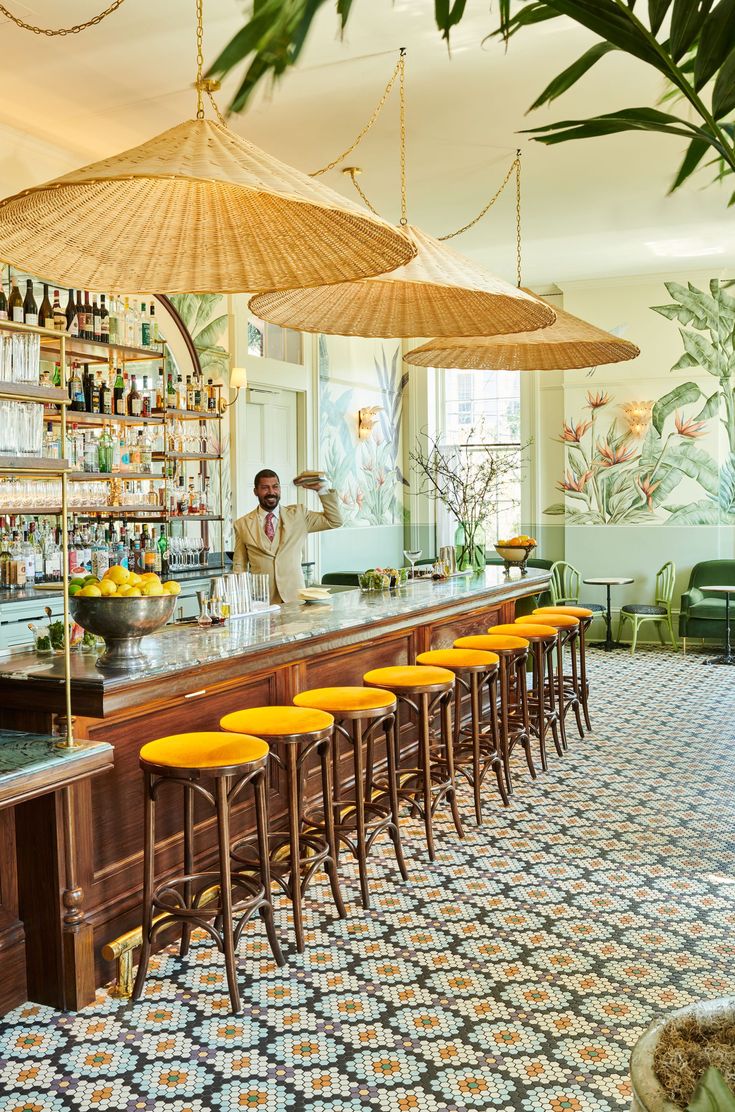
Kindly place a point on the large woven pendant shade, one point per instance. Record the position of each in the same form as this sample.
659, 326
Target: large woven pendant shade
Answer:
438, 293
567, 343
196, 209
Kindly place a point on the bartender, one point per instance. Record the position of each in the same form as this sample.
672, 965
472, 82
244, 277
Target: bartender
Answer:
269, 540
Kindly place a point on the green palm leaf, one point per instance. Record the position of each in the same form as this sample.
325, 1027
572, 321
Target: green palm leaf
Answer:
572, 74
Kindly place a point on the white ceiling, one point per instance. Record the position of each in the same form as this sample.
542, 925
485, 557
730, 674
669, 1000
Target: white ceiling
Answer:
591, 209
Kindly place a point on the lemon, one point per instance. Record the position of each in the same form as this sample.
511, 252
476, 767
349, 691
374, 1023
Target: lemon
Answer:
171, 587
150, 577
152, 587
134, 579
92, 591
107, 588
117, 574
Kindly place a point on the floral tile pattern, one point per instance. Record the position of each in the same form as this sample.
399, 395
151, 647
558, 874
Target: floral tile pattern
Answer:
515, 973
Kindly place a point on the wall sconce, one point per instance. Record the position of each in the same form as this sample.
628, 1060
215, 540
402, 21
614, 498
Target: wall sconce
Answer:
367, 418
638, 417
238, 379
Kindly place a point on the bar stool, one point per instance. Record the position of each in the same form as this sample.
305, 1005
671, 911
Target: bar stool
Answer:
566, 695
579, 681
543, 712
294, 733
427, 693
513, 720
232, 761
359, 713
472, 670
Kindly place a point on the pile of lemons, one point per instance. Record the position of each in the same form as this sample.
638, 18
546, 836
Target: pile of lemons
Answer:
521, 541
118, 582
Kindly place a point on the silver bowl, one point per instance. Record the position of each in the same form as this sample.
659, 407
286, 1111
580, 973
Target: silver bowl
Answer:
122, 623
515, 556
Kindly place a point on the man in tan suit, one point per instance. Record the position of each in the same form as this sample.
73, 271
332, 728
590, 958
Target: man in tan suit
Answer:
269, 540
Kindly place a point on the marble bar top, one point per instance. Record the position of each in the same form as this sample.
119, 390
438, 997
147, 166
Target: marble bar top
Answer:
189, 648
31, 764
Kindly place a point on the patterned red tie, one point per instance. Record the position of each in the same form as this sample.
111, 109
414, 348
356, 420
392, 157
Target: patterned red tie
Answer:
270, 529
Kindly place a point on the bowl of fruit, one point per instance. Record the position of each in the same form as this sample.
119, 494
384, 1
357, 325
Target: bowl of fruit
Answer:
515, 552
122, 607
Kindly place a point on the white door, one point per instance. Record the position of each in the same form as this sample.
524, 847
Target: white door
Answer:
271, 440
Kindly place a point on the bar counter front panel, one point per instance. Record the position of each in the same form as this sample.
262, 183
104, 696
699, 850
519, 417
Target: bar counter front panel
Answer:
195, 677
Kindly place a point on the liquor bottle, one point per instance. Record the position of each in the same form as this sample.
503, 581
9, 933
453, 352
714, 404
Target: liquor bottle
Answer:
121, 408
51, 560
136, 326
72, 324
88, 318
87, 387
96, 320
145, 398
128, 324
50, 442
155, 334
81, 317
198, 394
135, 453
160, 391
56, 380
3, 303
146, 454
30, 309
162, 546
170, 392
145, 327
76, 390
15, 304
211, 396
114, 323
180, 393
59, 316
46, 313
94, 394
90, 452
104, 321
135, 402
100, 554
189, 393
106, 397
104, 451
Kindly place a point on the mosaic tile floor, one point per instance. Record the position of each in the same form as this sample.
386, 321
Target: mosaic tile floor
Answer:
514, 973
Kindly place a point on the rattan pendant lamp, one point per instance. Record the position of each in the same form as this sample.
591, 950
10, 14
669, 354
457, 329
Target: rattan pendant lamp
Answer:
566, 344
196, 209
438, 293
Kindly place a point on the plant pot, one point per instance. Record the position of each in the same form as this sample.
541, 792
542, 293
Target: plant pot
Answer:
648, 1096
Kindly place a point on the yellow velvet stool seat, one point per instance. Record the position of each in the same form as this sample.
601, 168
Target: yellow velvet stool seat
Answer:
219, 897
575, 611
339, 700
298, 848
424, 693
491, 644
567, 696
560, 621
205, 750
458, 658
535, 629
276, 721
476, 749
367, 806
407, 675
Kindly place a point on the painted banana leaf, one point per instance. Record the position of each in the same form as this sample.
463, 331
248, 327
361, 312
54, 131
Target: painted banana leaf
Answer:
713, 1094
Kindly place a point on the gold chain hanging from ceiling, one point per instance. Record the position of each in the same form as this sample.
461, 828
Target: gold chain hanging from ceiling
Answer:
514, 166
54, 32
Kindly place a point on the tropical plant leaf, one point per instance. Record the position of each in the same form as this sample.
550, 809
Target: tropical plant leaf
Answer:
208, 336
723, 94
674, 312
712, 1094
701, 350
680, 396
206, 304
557, 509
627, 119
687, 18
703, 309
447, 15
657, 10
696, 151
571, 75
696, 513
611, 23
715, 42
698, 465
710, 408
668, 480
536, 11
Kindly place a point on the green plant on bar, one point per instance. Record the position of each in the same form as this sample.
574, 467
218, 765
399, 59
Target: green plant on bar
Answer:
713, 1094
691, 43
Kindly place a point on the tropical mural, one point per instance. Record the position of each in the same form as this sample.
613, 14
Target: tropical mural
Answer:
672, 460
367, 473
206, 319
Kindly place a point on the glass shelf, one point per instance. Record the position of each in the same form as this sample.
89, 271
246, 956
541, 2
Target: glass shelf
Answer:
28, 392
77, 417
188, 414
40, 464
90, 351
108, 476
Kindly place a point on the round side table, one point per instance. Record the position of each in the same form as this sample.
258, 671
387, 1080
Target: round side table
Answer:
609, 581
728, 657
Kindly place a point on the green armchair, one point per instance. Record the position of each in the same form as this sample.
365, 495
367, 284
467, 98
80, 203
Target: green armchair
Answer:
703, 615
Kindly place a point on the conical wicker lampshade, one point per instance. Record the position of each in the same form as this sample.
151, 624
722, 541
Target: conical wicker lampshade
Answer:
438, 293
196, 209
567, 343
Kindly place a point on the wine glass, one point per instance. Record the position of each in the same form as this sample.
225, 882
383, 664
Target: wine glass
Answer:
412, 555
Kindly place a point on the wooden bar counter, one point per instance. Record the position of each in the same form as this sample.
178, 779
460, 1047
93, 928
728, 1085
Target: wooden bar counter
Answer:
196, 676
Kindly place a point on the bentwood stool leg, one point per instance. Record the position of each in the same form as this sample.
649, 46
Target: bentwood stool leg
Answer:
575, 645
425, 766
266, 911
498, 758
575, 621
294, 829
330, 864
149, 851
188, 863
391, 749
223, 841
448, 746
475, 726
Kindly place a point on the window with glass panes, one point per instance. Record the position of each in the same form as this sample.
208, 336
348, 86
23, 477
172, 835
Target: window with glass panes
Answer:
484, 408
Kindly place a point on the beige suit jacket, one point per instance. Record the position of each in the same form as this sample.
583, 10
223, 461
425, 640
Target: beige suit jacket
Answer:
281, 558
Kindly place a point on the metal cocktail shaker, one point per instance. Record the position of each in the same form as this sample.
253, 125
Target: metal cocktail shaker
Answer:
448, 557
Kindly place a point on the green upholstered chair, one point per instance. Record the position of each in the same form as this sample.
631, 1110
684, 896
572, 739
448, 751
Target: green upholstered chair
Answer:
703, 614
659, 612
564, 588
341, 578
